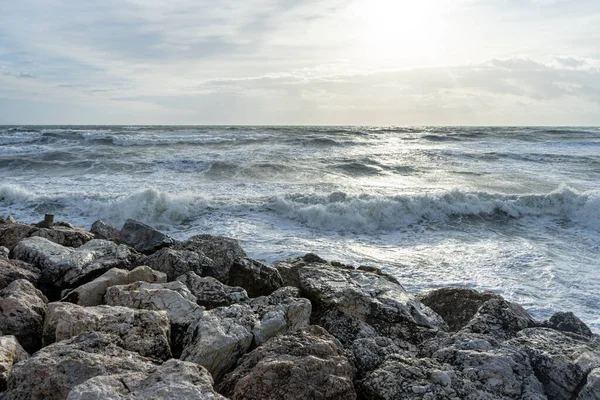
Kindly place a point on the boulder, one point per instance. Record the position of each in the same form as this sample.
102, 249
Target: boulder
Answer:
143, 331
22, 312
288, 269
369, 353
353, 304
52, 372
591, 390
222, 335
257, 278
499, 319
92, 293
221, 250
173, 380
144, 238
177, 262
12, 232
105, 231
4, 253
63, 267
11, 270
69, 236
456, 305
568, 322
211, 293
11, 353
561, 361
306, 364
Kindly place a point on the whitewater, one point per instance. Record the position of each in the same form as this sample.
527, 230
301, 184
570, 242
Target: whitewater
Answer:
511, 210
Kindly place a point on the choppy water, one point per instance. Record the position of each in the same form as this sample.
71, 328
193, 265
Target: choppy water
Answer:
513, 210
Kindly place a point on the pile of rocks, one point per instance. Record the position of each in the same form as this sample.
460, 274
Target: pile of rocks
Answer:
134, 314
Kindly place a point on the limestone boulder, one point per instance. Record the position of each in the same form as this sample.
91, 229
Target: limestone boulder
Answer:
178, 262
52, 372
65, 235
22, 313
306, 364
103, 230
11, 233
568, 322
144, 238
143, 331
211, 293
173, 380
258, 279
11, 353
11, 270
500, 319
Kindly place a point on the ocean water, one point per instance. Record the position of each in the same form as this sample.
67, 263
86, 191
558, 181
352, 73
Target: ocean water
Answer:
512, 210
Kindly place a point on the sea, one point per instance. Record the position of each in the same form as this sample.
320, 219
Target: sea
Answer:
514, 210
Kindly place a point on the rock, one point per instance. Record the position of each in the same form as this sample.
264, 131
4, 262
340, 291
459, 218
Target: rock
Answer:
568, 322
500, 319
177, 262
11, 353
22, 312
369, 353
222, 335
63, 267
92, 293
143, 331
4, 253
69, 236
52, 372
353, 304
306, 364
561, 361
12, 232
221, 250
591, 390
211, 293
144, 238
456, 305
288, 269
105, 231
173, 380
11, 270
257, 278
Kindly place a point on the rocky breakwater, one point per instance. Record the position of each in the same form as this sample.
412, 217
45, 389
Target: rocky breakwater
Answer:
133, 314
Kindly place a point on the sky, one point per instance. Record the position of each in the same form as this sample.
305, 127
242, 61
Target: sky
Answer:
305, 62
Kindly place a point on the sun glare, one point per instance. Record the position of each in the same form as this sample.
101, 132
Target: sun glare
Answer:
395, 30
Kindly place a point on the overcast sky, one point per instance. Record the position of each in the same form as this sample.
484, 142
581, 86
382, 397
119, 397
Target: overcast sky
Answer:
381, 62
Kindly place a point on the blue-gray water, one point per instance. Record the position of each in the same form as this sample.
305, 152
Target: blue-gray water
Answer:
513, 210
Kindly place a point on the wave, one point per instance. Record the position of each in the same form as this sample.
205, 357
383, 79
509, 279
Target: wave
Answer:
368, 213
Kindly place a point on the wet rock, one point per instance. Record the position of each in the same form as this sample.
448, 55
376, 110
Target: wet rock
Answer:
257, 278
63, 267
92, 293
11, 353
144, 238
568, 322
591, 390
11, 270
306, 364
69, 236
22, 312
178, 262
52, 372
499, 319
105, 231
173, 380
561, 361
143, 331
456, 305
12, 232
221, 250
211, 293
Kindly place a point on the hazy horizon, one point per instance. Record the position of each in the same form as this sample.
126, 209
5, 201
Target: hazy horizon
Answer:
307, 62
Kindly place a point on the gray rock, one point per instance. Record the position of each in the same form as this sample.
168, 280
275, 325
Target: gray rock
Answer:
306, 364
288, 269
11, 270
92, 293
369, 353
591, 390
143, 331
561, 361
144, 238
456, 305
257, 278
69, 236
177, 262
52, 372
568, 322
12, 232
173, 380
221, 250
211, 293
105, 231
63, 267
4, 253
11, 353
22, 312
500, 319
